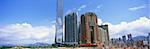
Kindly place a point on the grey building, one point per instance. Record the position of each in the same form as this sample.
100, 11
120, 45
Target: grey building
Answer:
124, 38
71, 33
149, 40
103, 33
130, 41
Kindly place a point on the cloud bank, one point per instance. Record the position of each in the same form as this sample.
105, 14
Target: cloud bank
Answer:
25, 33
137, 27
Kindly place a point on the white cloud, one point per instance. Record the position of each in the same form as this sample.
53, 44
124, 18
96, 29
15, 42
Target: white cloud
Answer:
100, 21
136, 8
71, 10
99, 6
77, 9
26, 33
137, 27
81, 7
97, 9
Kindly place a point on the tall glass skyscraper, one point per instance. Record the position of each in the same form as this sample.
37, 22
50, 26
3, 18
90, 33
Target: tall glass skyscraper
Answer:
71, 34
59, 22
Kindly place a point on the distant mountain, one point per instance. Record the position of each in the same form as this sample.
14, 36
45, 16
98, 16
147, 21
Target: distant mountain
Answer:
7, 45
39, 44
139, 38
34, 44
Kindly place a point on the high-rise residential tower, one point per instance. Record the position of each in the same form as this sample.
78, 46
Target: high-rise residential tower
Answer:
71, 33
89, 28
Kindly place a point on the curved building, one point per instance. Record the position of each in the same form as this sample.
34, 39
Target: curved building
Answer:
89, 28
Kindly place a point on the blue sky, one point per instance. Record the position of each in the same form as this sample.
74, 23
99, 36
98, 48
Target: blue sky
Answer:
35, 19
36, 12
113, 11
41, 12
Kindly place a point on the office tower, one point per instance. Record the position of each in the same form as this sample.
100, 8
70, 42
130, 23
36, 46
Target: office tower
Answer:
149, 37
112, 41
59, 22
129, 37
89, 28
105, 27
149, 40
124, 38
104, 33
71, 34
130, 40
79, 33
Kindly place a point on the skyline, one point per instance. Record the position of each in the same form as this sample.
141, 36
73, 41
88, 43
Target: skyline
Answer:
25, 17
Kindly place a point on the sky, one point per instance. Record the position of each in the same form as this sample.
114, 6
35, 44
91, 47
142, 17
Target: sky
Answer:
31, 21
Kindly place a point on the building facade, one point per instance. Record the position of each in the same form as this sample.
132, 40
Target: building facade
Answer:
71, 33
59, 23
104, 34
89, 28
149, 40
124, 38
130, 41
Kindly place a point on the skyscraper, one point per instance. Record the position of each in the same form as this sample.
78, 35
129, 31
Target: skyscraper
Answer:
130, 40
103, 34
129, 37
59, 22
71, 34
149, 40
124, 38
89, 28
